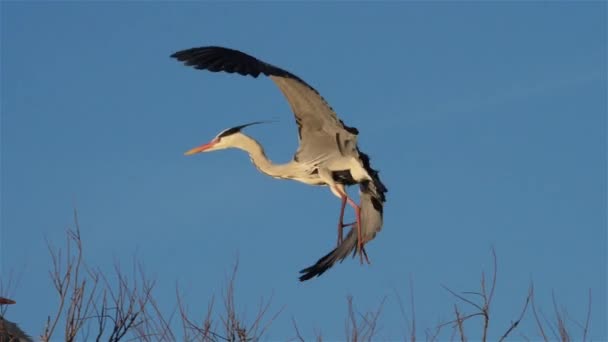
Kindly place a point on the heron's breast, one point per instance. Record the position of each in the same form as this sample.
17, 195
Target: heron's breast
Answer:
306, 180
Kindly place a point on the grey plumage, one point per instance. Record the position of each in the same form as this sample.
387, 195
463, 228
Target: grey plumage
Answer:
327, 154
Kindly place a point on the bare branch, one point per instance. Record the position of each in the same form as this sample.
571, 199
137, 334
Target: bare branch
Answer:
536, 317
521, 316
352, 333
494, 273
459, 324
588, 319
298, 335
561, 324
413, 331
462, 298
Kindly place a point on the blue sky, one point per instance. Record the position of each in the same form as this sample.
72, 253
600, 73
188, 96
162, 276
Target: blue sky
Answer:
487, 121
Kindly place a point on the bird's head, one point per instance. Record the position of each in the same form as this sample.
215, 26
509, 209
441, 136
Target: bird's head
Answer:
225, 139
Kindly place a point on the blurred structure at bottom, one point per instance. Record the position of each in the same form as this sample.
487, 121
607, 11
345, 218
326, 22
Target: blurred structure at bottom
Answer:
9, 331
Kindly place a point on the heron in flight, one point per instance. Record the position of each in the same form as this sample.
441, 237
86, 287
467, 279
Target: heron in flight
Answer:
327, 155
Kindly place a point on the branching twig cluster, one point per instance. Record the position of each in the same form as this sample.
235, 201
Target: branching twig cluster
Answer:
75, 297
361, 327
559, 327
482, 309
92, 306
233, 325
117, 308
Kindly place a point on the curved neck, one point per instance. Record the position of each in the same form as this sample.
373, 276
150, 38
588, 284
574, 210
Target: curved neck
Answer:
259, 159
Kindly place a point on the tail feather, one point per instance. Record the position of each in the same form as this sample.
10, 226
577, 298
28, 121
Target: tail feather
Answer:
338, 254
371, 223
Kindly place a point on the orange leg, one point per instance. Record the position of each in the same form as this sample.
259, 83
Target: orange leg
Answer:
360, 249
360, 242
344, 197
364, 253
341, 224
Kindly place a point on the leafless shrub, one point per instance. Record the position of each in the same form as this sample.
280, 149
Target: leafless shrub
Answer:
364, 328
409, 324
75, 298
92, 306
482, 309
86, 296
234, 325
559, 327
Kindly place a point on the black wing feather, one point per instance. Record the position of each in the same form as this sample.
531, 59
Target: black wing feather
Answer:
233, 61
378, 189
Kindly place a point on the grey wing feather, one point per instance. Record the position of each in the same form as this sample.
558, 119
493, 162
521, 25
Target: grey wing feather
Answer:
319, 129
372, 211
318, 124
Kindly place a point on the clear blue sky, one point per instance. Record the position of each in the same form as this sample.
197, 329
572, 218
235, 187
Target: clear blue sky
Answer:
487, 121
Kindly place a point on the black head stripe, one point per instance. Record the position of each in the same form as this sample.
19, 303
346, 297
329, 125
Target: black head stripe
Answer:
236, 129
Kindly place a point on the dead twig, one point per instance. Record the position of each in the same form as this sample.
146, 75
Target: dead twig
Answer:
521, 316
298, 335
536, 317
459, 324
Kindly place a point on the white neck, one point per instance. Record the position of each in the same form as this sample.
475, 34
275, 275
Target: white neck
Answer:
259, 159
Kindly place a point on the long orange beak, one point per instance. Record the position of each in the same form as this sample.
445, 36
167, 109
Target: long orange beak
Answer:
201, 148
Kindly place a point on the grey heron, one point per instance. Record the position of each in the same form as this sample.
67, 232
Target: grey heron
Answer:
327, 154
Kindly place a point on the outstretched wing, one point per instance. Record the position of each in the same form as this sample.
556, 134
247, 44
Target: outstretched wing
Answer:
320, 130
321, 134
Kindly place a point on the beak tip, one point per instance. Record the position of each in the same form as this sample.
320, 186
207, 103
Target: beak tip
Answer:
199, 149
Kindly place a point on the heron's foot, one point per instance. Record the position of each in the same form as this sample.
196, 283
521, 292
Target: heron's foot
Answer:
362, 254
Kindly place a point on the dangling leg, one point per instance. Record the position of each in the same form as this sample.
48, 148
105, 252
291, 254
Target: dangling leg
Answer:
341, 224
338, 190
360, 242
360, 249
364, 253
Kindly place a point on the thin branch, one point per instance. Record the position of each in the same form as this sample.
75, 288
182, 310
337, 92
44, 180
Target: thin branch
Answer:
353, 322
536, 318
561, 324
521, 316
413, 329
588, 319
462, 298
298, 335
459, 324
494, 273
